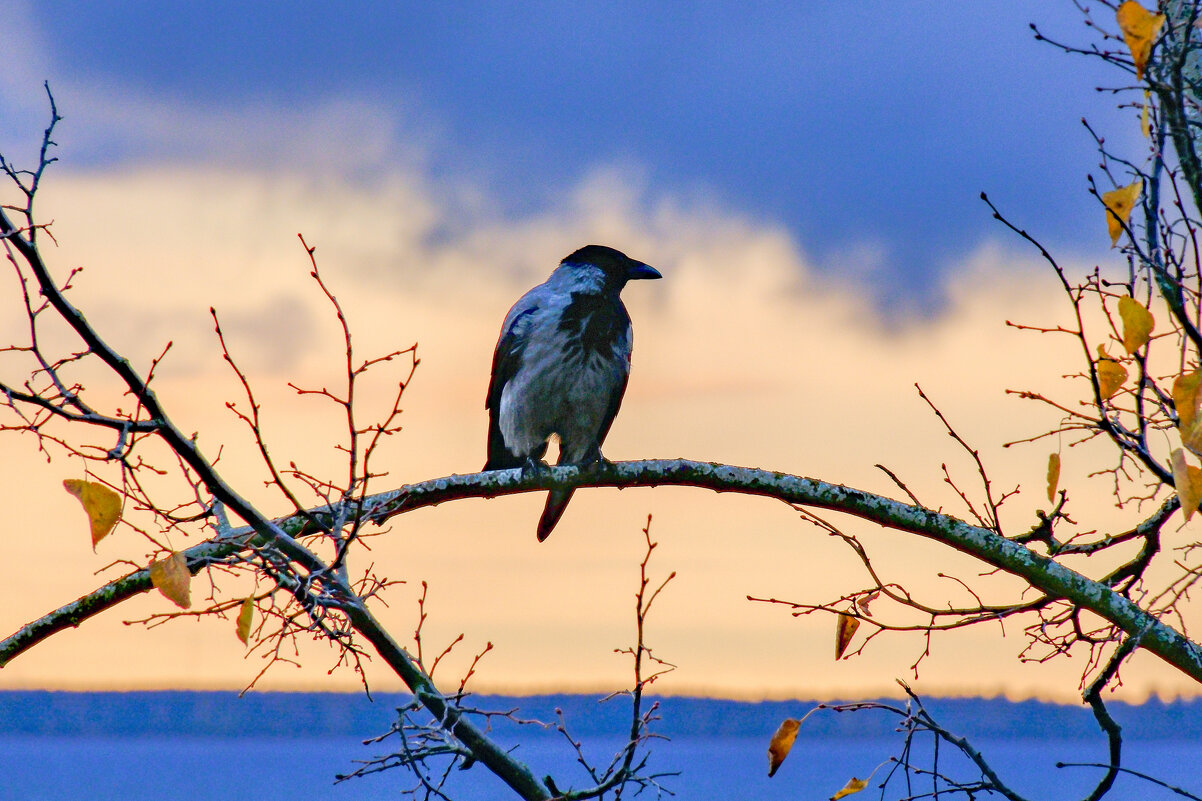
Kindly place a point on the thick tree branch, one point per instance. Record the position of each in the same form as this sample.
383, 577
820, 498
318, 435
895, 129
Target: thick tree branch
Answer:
1042, 573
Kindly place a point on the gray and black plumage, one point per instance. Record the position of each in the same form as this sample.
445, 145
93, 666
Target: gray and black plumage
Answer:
561, 366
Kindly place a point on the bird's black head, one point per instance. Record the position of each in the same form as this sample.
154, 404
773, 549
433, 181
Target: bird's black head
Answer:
613, 266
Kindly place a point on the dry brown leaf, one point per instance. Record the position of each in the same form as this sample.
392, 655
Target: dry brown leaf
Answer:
1053, 475
1137, 323
1111, 375
1188, 481
1119, 203
245, 616
101, 503
170, 575
864, 600
781, 743
845, 629
1140, 29
853, 785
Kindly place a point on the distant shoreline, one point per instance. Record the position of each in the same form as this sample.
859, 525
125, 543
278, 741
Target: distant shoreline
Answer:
280, 714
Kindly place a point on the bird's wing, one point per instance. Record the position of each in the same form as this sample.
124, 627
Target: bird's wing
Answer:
506, 361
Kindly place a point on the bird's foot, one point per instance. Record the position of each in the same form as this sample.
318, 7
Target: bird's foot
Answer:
534, 466
596, 462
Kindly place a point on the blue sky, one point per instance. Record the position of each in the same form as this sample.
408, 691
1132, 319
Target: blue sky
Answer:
867, 130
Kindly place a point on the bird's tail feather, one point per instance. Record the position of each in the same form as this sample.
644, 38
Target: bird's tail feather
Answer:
557, 502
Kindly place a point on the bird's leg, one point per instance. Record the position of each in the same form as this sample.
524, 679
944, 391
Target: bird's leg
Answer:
594, 460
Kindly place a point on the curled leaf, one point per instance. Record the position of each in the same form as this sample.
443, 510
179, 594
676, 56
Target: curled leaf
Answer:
781, 744
101, 503
170, 575
1119, 203
1144, 126
845, 629
1137, 323
1140, 28
1053, 475
245, 616
1111, 375
1188, 481
864, 600
853, 785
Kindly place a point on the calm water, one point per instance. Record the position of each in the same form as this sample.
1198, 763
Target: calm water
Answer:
232, 769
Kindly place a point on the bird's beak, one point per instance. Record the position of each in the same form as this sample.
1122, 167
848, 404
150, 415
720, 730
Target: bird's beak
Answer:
636, 269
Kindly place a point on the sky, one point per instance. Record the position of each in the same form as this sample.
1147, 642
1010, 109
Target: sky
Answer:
805, 176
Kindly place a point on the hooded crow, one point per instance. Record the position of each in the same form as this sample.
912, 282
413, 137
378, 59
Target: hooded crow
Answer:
561, 366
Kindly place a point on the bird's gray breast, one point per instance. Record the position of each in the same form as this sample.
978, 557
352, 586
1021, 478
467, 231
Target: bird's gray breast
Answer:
573, 369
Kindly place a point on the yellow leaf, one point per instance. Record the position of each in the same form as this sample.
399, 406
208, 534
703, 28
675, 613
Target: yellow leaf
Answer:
845, 629
101, 503
1188, 480
1119, 203
1144, 125
1137, 323
781, 743
1053, 475
245, 615
1185, 398
853, 785
172, 578
1140, 29
1111, 375
1192, 438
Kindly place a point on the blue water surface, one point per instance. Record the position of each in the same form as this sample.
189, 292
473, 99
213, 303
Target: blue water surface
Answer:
51, 768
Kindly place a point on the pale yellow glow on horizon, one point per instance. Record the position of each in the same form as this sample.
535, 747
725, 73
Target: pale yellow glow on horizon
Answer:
743, 355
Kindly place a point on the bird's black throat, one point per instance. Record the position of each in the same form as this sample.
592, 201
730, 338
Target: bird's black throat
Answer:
593, 323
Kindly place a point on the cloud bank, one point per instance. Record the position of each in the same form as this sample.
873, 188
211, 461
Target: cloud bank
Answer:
744, 354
